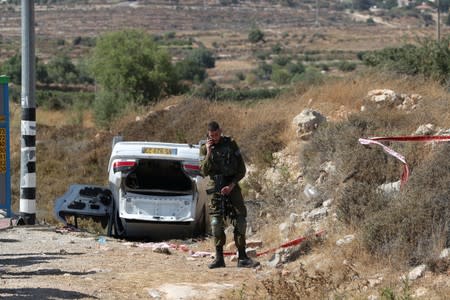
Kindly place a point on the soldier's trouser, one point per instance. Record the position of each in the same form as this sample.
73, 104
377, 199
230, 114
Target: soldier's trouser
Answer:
239, 221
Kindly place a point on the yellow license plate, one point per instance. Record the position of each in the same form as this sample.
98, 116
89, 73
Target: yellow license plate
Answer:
166, 151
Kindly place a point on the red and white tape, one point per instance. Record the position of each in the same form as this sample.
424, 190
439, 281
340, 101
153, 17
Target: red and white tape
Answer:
416, 138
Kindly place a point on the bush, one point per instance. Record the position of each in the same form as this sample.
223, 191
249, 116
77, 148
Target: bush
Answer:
190, 70
247, 94
346, 66
311, 76
255, 35
208, 90
415, 226
430, 59
281, 60
109, 105
202, 57
281, 76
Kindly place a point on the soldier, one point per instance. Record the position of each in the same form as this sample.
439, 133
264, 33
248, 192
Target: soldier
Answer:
224, 164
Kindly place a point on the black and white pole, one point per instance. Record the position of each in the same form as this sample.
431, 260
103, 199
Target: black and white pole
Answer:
28, 124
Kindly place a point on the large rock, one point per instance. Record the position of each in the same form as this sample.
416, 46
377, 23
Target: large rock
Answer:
307, 121
389, 98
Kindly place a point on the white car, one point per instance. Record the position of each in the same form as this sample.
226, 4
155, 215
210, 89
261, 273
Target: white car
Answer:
155, 191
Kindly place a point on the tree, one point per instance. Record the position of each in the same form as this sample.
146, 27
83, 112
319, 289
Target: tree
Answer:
13, 68
130, 63
62, 70
202, 57
255, 35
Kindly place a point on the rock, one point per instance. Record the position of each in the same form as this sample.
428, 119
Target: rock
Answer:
327, 203
427, 129
345, 240
275, 260
170, 107
162, 250
293, 218
154, 294
251, 252
231, 246
390, 188
417, 272
233, 258
254, 244
444, 253
382, 96
318, 214
150, 114
310, 192
307, 121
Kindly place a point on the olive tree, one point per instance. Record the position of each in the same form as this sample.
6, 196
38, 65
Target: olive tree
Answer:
129, 67
130, 62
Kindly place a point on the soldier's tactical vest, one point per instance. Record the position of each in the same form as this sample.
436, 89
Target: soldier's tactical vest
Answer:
224, 158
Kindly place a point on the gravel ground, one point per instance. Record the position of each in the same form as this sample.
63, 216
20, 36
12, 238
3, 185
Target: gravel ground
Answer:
37, 262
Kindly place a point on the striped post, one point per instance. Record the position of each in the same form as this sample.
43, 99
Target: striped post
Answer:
5, 177
28, 124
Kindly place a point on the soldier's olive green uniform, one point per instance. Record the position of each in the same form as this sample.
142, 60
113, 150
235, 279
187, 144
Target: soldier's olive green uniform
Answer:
226, 159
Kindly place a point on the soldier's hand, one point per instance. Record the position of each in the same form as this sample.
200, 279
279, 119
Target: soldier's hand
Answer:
209, 144
226, 190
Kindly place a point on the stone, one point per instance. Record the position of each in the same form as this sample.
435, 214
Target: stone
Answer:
327, 203
293, 218
254, 243
444, 253
307, 121
275, 260
310, 192
318, 214
390, 188
345, 240
426, 129
417, 272
251, 252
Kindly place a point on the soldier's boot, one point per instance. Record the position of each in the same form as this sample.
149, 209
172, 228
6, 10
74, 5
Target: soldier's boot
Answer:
218, 262
244, 261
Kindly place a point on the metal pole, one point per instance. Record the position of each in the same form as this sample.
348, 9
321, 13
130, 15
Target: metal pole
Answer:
28, 124
438, 25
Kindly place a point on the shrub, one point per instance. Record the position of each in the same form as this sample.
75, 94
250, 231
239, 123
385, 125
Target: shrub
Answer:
281, 60
430, 59
311, 76
415, 226
208, 90
277, 48
202, 57
255, 35
280, 76
247, 94
346, 66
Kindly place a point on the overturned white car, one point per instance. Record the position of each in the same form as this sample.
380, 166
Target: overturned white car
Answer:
155, 191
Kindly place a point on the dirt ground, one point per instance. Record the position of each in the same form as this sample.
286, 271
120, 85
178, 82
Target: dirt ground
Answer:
37, 262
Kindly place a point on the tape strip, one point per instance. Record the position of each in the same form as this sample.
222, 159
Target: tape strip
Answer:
415, 138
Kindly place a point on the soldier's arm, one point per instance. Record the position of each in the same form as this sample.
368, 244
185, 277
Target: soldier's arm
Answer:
240, 172
205, 166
